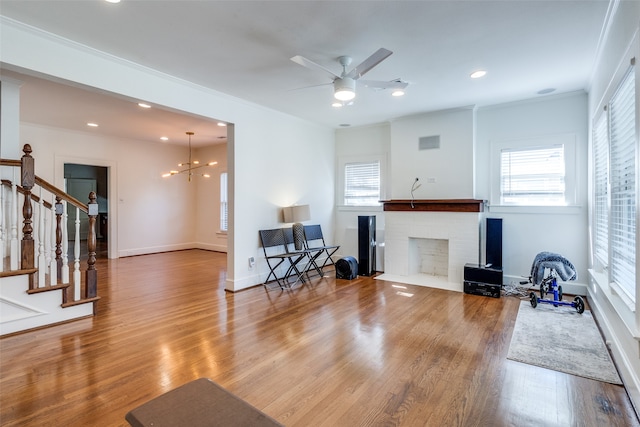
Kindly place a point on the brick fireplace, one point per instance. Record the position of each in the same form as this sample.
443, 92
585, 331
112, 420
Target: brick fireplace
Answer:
428, 242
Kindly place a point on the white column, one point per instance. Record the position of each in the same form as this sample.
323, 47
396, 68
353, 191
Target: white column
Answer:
42, 263
14, 256
53, 265
65, 245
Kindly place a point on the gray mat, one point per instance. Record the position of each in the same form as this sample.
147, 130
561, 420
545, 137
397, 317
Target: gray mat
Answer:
559, 338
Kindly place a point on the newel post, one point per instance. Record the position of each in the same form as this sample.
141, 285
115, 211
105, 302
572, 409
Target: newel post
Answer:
27, 182
91, 275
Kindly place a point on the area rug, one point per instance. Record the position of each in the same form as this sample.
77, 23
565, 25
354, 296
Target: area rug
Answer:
561, 339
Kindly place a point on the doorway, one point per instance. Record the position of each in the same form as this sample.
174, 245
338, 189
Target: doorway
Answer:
80, 180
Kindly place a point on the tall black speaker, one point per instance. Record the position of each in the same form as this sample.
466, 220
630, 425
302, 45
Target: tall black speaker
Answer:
494, 243
366, 245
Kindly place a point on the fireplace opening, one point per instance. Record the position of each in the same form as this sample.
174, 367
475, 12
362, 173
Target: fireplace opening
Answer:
429, 256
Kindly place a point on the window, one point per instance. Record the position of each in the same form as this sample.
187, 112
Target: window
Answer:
601, 188
362, 183
623, 136
224, 224
533, 176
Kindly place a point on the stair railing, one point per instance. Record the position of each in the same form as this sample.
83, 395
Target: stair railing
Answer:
42, 252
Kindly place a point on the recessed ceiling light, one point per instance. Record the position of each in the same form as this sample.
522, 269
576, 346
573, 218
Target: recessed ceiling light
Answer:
546, 91
93, 125
164, 138
397, 92
478, 74
222, 124
112, 1
143, 105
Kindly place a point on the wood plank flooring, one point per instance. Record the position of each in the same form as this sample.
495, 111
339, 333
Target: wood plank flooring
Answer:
329, 353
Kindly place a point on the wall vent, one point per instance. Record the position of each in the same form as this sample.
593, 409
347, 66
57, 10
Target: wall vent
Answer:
429, 142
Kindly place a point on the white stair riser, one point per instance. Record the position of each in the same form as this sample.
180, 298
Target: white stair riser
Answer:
20, 311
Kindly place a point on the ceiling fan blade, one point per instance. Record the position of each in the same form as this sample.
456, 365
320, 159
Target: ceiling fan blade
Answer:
301, 60
394, 84
311, 86
366, 65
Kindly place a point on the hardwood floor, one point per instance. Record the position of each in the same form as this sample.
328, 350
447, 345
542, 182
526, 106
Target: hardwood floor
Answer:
329, 353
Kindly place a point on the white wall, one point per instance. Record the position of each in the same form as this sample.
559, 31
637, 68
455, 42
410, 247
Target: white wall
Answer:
9, 118
207, 215
273, 159
527, 231
620, 325
354, 143
461, 168
445, 172
147, 213
285, 163
450, 167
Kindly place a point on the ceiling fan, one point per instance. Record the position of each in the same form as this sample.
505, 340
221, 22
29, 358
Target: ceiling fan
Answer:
344, 85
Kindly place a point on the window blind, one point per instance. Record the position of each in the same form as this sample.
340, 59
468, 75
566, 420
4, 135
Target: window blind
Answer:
533, 176
601, 188
362, 184
622, 118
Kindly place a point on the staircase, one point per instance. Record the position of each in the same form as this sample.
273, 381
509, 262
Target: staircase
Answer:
39, 284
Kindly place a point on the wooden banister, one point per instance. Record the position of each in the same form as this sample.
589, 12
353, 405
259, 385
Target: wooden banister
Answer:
77, 292
46, 186
10, 162
63, 196
21, 190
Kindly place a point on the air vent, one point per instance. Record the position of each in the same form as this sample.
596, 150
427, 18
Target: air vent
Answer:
429, 142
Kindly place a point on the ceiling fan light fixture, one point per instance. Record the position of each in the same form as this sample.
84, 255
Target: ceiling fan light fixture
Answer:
344, 89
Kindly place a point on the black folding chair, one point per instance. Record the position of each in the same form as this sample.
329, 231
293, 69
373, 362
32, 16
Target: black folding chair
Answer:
314, 240
311, 253
276, 251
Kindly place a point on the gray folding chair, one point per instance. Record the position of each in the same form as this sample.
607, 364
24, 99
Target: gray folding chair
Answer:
277, 251
314, 240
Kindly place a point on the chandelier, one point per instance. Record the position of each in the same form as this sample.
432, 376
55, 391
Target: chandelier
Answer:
191, 165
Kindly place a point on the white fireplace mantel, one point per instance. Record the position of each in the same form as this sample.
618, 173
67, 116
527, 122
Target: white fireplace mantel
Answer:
455, 221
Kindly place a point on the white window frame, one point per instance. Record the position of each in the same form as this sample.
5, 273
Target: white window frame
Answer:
600, 209
621, 268
341, 179
568, 140
600, 274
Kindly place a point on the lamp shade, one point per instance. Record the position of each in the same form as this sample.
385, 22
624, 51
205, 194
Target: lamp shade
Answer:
297, 213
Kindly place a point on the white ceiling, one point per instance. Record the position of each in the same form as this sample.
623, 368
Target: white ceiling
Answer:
242, 48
